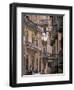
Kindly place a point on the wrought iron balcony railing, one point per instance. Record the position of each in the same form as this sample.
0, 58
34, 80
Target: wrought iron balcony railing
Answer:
32, 25
47, 56
43, 22
32, 46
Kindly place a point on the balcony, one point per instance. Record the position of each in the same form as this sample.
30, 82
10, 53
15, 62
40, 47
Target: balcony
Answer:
32, 46
32, 25
43, 22
54, 36
51, 56
58, 24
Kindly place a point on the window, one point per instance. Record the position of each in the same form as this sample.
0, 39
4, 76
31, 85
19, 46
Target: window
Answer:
26, 35
33, 38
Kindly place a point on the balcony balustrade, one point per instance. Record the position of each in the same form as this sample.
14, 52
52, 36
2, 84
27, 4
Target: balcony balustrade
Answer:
43, 22
48, 56
33, 25
32, 46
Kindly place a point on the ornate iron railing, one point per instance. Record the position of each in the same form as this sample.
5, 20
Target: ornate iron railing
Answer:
43, 22
32, 25
32, 46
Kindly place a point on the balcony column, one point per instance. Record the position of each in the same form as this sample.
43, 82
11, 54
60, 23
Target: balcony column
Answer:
29, 61
35, 61
42, 66
46, 68
38, 62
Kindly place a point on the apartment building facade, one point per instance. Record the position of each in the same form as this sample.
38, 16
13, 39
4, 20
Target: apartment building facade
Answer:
41, 44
